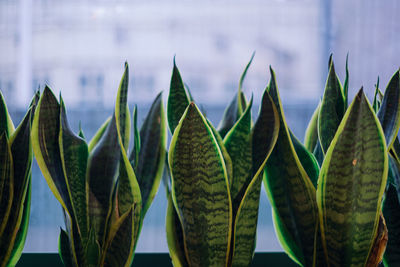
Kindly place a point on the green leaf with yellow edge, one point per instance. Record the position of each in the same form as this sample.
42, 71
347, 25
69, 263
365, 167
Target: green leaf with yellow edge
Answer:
122, 110
22, 232
378, 97
74, 155
45, 134
14, 233
178, 99
264, 136
346, 83
238, 144
175, 236
351, 184
311, 135
200, 191
121, 233
389, 111
307, 159
134, 157
331, 110
291, 192
97, 136
6, 124
6, 182
64, 249
153, 139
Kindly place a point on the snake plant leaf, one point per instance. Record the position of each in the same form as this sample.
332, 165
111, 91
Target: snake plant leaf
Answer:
153, 138
238, 144
395, 150
351, 185
6, 124
389, 112
331, 110
22, 232
81, 134
175, 236
178, 99
291, 192
64, 249
118, 253
378, 97
200, 191
318, 154
16, 228
311, 135
122, 110
74, 156
45, 136
97, 136
265, 134
346, 83
307, 159
225, 154
391, 213
236, 107
6, 181
379, 244
134, 157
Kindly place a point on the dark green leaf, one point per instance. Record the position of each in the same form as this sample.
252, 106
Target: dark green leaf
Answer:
351, 185
6, 124
151, 158
6, 184
389, 112
331, 110
265, 134
378, 96
178, 99
346, 83
391, 213
291, 193
200, 191
64, 249
134, 157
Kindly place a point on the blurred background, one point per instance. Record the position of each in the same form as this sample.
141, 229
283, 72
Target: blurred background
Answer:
79, 47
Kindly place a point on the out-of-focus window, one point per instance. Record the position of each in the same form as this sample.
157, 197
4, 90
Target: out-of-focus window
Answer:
79, 48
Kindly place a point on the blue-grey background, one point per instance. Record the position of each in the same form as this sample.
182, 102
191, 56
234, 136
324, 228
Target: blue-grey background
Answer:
79, 48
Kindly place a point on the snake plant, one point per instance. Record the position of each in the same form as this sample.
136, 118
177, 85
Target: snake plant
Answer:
15, 182
104, 192
215, 182
326, 195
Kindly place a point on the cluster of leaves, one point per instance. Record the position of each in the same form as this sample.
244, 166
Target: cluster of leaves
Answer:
216, 176
15, 182
103, 192
326, 195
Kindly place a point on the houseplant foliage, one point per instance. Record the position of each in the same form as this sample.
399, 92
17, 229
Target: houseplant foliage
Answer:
15, 182
215, 183
330, 216
104, 192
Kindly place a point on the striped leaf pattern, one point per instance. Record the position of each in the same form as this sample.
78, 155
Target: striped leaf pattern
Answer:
15, 180
352, 181
200, 191
264, 136
291, 192
96, 183
331, 110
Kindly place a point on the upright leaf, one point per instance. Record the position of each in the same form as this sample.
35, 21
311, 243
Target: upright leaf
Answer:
264, 136
291, 192
378, 97
311, 136
331, 110
389, 112
178, 99
97, 136
6, 182
346, 83
391, 213
6, 124
200, 191
351, 184
151, 158
238, 144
